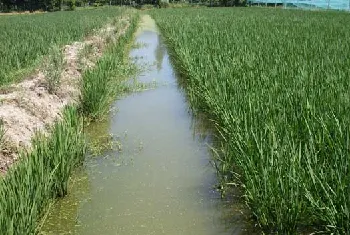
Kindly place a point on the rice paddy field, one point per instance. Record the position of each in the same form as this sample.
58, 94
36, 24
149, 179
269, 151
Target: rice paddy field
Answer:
275, 83
26, 38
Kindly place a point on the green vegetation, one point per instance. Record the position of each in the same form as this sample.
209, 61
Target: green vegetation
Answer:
41, 175
102, 83
26, 38
276, 85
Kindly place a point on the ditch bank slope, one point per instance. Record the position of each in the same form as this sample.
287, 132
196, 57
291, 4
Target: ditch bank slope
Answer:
29, 107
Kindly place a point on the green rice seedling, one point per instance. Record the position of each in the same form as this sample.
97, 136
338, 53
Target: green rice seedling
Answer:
275, 85
40, 175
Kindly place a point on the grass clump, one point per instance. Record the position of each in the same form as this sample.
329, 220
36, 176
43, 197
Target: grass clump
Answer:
276, 84
41, 175
53, 67
2, 133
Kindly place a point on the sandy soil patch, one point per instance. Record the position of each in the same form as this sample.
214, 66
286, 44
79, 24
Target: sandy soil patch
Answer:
21, 13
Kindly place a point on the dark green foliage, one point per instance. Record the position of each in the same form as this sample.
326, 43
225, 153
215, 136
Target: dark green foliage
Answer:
30, 5
44, 5
276, 85
163, 4
71, 4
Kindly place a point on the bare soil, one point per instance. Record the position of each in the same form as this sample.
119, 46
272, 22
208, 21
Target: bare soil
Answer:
28, 107
21, 13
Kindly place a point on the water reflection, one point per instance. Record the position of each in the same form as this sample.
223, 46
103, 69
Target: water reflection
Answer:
159, 53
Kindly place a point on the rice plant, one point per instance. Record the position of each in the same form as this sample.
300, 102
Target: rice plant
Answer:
41, 175
275, 84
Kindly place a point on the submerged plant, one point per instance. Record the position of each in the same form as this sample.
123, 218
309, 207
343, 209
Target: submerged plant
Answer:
103, 143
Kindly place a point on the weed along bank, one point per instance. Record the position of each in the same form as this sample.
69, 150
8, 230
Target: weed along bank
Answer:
185, 120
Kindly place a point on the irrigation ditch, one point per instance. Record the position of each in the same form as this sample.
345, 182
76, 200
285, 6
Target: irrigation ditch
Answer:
147, 169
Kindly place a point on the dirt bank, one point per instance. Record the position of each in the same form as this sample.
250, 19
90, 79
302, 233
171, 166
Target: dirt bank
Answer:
28, 107
21, 13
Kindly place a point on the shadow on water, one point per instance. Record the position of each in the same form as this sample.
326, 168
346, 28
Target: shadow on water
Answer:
160, 181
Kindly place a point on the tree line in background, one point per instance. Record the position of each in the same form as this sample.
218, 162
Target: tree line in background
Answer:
51, 5
58, 5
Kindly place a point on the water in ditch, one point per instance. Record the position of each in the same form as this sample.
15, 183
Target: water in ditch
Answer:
157, 179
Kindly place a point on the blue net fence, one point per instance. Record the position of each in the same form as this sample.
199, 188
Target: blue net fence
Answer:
306, 4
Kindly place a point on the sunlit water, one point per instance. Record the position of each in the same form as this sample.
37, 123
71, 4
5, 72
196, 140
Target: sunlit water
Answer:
160, 182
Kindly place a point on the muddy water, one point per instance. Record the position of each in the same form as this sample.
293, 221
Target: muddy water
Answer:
158, 180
